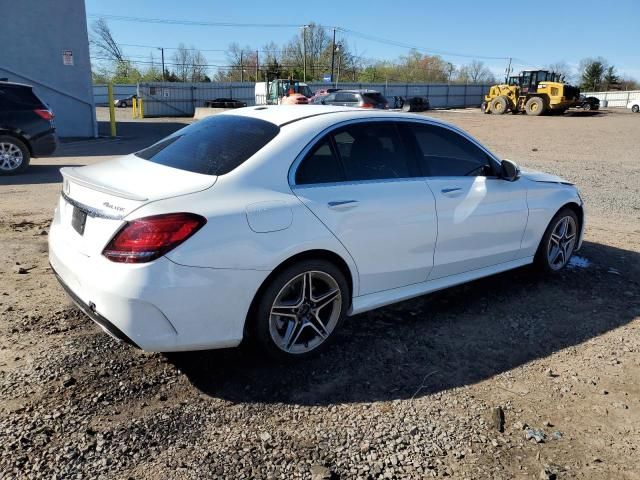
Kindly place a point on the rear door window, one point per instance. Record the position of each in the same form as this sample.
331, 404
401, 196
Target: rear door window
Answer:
445, 153
321, 166
212, 146
346, 98
372, 151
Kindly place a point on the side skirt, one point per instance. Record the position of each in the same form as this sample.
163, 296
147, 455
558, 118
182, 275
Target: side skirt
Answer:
364, 303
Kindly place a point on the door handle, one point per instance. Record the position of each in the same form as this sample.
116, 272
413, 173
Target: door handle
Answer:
451, 191
342, 204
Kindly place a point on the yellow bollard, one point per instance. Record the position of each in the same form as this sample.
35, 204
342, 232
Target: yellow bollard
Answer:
112, 110
141, 109
133, 107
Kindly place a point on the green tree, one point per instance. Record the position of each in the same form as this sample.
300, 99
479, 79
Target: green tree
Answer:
592, 73
610, 78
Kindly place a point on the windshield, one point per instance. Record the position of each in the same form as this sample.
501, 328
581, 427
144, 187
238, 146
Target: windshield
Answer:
212, 146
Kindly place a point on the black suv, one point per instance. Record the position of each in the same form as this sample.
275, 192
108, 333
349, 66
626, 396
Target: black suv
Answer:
26, 128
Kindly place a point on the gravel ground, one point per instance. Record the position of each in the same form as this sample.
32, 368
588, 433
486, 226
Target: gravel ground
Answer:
514, 376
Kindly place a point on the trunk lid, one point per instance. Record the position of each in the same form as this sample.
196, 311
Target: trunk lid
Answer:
96, 198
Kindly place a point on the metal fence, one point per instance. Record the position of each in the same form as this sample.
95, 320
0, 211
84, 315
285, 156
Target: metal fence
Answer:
168, 99
615, 99
101, 97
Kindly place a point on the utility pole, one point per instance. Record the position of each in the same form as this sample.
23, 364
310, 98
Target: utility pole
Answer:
304, 53
241, 68
257, 62
333, 52
164, 76
338, 72
508, 71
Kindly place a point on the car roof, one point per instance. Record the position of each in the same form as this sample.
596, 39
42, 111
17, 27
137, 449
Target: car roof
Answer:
285, 114
14, 84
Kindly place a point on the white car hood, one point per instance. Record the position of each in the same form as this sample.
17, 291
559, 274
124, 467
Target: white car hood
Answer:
537, 176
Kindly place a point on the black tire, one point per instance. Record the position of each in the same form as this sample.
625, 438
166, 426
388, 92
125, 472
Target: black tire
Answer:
260, 327
499, 105
406, 107
123, 104
9, 143
635, 109
541, 259
586, 106
534, 106
484, 109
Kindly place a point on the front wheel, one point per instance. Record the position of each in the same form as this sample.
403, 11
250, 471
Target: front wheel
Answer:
558, 242
301, 309
635, 109
499, 105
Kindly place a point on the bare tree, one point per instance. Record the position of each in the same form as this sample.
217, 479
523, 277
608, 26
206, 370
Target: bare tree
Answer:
563, 69
198, 64
182, 62
475, 72
103, 42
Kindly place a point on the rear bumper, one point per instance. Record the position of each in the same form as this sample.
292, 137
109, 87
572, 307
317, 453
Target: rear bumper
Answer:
158, 306
45, 144
89, 310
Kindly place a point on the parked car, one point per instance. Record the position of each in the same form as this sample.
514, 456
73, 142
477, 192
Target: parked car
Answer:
275, 222
318, 95
634, 105
225, 103
415, 104
124, 102
356, 98
588, 103
26, 128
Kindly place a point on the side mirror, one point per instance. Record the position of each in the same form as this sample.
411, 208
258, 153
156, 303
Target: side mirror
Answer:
509, 171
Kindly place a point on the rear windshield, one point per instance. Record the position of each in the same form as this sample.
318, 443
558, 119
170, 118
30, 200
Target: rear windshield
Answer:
19, 97
374, 97
213, 146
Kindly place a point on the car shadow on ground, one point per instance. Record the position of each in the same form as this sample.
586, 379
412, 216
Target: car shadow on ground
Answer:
450, 339
130, 137
37, 175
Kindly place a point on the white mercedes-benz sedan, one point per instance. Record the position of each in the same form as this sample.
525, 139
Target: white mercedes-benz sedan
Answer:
275, 223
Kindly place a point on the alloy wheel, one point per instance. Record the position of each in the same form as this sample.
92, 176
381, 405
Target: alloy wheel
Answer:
305, 312
10, 156
561, 242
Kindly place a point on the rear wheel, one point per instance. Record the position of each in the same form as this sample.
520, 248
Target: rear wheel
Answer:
534, 106
14, 155
558, 242
586, 106
635, 109
300, 310
499, 105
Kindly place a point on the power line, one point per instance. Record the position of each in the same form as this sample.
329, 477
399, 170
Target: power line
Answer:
169, 21
348, 31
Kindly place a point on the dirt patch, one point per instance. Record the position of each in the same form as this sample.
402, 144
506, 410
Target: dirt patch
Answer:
408, 391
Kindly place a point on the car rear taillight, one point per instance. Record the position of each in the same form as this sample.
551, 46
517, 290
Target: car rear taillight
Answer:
367, 105
43, 113
148, 238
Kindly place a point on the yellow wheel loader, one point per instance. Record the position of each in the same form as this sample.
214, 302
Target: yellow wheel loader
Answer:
534, 92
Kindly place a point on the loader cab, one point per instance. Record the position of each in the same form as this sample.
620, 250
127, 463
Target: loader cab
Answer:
279, 88
513, 81
529, 79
